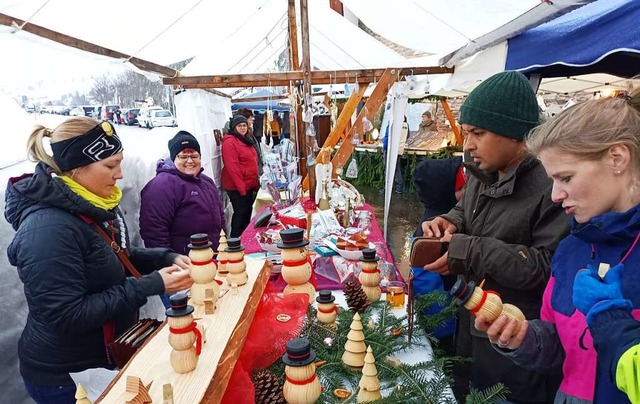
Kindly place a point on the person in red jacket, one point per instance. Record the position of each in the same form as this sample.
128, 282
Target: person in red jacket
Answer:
240, 173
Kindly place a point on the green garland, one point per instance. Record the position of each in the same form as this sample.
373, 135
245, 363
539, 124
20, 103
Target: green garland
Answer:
371, 166
424, 382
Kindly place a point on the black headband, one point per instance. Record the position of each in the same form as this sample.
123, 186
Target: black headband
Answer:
97, 144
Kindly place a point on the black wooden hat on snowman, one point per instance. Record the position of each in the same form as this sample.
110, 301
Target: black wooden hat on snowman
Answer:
199, 241
292, 238
299, 353
233, 245
369, 255
325, 296
179, 306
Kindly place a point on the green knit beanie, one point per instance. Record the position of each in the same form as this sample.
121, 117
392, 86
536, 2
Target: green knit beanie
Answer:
504, 104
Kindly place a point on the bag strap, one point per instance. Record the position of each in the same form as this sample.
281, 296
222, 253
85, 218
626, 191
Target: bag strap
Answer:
120, 252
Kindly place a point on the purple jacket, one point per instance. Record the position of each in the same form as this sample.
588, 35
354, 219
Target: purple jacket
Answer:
175, 205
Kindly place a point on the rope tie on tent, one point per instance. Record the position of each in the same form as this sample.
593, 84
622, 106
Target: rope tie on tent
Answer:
21, 26
163, 31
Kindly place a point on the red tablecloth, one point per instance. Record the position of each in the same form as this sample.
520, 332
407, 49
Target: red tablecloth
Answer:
324, 264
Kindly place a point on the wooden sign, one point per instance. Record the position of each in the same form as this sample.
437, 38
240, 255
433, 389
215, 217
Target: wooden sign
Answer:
225, 331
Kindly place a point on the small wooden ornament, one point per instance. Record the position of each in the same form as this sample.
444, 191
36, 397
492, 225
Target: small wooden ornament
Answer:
603, 268
369, 383
370, 275
327, 310
81, 395
183, 333
355, 348
487, 303
136, 392
167, 393
209, 305
301, 384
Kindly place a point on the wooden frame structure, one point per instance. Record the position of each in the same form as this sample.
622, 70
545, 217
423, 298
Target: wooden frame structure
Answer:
300, 76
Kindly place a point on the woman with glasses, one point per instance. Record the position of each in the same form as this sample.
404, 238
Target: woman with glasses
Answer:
240, 172
180, 200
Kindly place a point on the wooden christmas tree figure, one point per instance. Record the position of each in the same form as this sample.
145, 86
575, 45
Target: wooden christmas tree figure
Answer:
355, 348
327, 310
370, 274
296, 265
369, 383
301, 385
203, 270
136, 392
222, 255
183, 333
81, 395
236, 267
485, 302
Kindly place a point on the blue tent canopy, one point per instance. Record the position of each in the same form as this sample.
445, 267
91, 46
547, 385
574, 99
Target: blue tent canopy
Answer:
261, 105
600, 37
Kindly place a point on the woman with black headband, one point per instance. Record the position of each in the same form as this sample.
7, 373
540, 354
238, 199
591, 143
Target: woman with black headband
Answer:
79, 294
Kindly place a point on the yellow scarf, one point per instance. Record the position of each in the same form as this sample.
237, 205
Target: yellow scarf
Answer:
103, 203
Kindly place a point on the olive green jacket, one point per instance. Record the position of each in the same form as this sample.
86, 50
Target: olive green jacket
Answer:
507, 233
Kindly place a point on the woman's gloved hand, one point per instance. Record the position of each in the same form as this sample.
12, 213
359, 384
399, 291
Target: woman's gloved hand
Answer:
593, 295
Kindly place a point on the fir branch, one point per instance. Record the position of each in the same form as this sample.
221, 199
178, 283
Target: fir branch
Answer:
492, 395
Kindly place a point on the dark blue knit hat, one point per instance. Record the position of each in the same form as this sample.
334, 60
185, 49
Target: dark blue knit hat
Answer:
504, 104
182, 140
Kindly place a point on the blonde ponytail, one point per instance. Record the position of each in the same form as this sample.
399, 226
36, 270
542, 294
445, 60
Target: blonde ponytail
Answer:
68, 129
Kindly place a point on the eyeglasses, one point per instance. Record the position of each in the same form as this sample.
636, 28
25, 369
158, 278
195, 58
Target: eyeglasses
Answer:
185, 157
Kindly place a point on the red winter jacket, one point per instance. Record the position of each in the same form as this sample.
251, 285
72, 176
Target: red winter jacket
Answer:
240, 171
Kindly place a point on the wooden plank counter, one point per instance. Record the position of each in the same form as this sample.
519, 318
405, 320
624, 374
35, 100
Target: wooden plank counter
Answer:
225, 332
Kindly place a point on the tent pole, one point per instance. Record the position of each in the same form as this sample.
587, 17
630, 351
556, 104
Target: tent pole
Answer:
306, 93
452, 122
294, 64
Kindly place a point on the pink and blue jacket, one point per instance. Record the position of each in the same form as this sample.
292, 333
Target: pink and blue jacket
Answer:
589, 356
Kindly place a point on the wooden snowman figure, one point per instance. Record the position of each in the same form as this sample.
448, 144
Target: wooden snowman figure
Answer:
203, 269
370, 274
485, 302
296, 265
222, 255
327, 310
236, 267
301, 385
183, 333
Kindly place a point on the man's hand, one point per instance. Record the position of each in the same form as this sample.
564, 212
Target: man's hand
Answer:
439, 266
438, 227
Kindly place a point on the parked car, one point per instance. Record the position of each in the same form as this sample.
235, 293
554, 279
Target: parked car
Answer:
130, 116
107, 111
161, 117
144, 115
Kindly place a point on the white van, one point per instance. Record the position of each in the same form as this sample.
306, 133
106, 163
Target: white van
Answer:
144, 116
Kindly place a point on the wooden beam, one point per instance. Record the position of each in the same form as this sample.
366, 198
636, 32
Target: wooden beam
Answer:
294, 62
376, 99
309, 141
86, 46
452, 122
283, 78
341, 124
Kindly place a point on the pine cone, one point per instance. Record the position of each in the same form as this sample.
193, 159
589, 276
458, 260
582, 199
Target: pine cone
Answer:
356, 298
268, 388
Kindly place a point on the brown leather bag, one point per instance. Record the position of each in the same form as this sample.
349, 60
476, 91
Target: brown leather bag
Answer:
425, 250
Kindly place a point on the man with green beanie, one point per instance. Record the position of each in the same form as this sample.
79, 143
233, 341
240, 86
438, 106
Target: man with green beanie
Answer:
503, 231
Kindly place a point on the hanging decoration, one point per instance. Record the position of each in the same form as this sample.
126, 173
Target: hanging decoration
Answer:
352, 169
